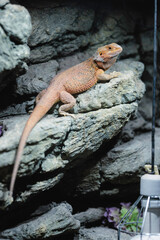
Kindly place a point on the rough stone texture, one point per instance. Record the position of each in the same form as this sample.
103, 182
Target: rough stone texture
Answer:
129, 159
19, 108
68, 21
71, 38
91, 216
37, 78
116, 173
61, 38
77, 25
134, 126
15, 28
90, 179
15, 20
55, 222
99, 233
57, 143
3, 3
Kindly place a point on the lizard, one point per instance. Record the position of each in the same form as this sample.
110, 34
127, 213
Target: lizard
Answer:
76, 79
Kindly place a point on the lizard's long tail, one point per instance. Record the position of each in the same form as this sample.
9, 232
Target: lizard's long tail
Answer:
39, 111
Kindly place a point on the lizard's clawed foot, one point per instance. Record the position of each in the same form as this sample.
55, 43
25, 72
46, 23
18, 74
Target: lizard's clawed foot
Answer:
115, 74
67, 114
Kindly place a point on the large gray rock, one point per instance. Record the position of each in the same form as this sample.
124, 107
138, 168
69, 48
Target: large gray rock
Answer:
99, 233
59, 143
15, 28
68, 21
60, 29
3, 3
115, 174
91, 216
128, 159
55, 222
37, 78
15, 20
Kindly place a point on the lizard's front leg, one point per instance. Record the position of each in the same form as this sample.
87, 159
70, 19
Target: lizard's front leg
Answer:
69, 102
102, 76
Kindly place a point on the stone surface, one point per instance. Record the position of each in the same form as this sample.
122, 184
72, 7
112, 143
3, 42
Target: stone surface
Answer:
115, 174
125, 163
91, 216
37, 78
137, 124
68, 21
55, 222
70, 32
15, 20
77, 25
15, 28
90, 179
3, 3
99, 233
58, 143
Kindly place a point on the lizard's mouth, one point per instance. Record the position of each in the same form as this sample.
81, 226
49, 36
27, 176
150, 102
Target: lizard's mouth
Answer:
113, 55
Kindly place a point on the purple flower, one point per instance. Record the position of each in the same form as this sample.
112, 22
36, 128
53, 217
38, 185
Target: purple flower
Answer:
113, 215
126, 205
1, 130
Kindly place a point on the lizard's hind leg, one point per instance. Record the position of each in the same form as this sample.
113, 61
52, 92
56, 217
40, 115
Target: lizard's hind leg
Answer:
69, 101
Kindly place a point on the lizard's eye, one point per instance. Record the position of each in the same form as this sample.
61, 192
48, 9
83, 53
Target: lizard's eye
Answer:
109, 48
100, 53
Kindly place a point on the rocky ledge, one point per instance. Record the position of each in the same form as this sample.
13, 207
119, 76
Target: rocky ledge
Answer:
15, 28
57, 144
57, 222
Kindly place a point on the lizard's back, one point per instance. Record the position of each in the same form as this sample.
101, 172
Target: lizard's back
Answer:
78, 78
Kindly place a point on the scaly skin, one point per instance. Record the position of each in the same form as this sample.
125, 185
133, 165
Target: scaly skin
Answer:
74, 80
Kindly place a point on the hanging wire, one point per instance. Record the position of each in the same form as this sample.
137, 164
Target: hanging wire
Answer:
154, 85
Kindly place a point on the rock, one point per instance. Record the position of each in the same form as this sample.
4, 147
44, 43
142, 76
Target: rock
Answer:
71, 26
15, 28
19, 108
118, 173
125, 163
70, 61
99, 233
15, 20
55, 222
75, 27
146, 47
36, 188
91, 216
90, 179
130, 50
58, 143
146, 38
132, 127
145, 108
126, 65
117, 91
3, 3
37, 78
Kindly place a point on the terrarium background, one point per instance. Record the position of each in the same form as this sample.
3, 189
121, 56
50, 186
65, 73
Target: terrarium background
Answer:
65, 33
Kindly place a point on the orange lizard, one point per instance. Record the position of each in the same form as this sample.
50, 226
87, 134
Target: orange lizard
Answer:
74, 80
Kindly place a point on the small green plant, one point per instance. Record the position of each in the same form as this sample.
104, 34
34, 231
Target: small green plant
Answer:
114, 215
133, 222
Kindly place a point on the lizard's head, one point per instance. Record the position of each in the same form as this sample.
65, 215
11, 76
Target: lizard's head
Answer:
107, 55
